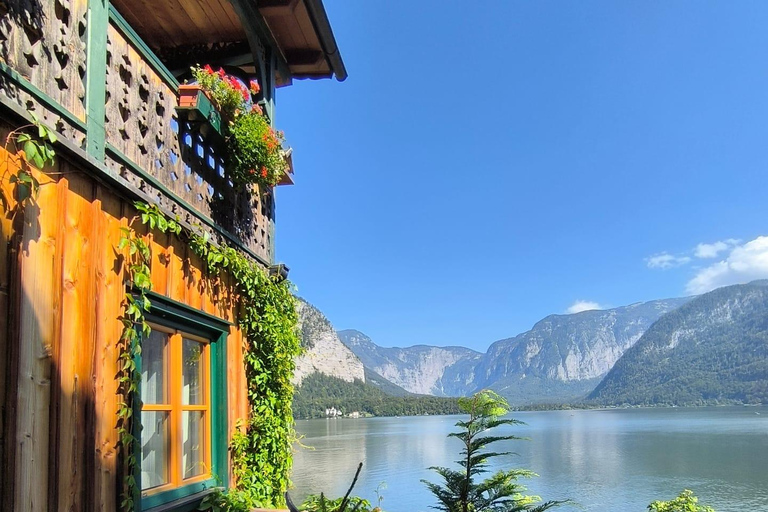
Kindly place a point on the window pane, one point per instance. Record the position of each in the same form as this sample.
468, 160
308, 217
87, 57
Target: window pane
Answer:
154, 449
192, 392
193, 443
154, 364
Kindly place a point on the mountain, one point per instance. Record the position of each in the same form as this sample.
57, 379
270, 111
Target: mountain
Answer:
323, 351
329, 375
712, 349
419, 369
563, 357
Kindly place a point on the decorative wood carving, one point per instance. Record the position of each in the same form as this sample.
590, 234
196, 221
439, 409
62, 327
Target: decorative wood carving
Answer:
44, 42
141, 123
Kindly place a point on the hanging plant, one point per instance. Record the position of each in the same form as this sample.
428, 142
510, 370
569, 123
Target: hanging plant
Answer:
254, 149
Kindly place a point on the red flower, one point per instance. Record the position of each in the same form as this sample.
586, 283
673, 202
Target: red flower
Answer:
222, 74
255, 87
252, 171
263, 172
208, 69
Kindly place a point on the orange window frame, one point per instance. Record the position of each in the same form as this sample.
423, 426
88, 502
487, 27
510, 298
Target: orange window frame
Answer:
175, 409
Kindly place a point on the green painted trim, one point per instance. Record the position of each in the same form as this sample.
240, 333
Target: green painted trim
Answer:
153, 60
96, 77
219, 405
40, 96
165, 190
257, 31
179, 309
177, 315
162, 498
136, 432
117, 183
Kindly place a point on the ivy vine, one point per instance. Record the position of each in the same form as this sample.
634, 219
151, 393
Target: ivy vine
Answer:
266, 314
28, 147
135, 326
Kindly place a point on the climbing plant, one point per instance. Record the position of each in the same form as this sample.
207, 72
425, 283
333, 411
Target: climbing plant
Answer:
29, 146
265, 312
134, 247
261, 446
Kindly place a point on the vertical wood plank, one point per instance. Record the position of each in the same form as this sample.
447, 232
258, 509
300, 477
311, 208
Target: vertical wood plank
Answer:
77, 348
177, 285
194, 296
7, 270
109, 295
160, 264
40, 288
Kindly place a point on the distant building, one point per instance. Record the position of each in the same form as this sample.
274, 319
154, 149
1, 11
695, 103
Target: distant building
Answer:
333, 412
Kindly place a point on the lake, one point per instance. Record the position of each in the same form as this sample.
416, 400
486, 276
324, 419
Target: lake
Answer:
605, 460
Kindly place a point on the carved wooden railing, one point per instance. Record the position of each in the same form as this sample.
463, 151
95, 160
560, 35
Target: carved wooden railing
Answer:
43, 43
43, 54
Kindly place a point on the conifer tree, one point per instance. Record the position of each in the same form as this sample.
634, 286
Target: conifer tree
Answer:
461, 492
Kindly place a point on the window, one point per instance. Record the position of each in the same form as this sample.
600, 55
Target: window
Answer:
181, 415
176, 409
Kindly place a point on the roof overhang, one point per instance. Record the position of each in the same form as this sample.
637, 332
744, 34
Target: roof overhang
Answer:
183, 31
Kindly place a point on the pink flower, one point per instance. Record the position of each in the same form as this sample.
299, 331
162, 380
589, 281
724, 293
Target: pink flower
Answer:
255, 87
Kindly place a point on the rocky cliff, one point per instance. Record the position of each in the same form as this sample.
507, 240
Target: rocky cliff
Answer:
419, 369
562, 358
323, 351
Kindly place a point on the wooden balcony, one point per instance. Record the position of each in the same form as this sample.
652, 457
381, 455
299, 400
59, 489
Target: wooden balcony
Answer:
119, 118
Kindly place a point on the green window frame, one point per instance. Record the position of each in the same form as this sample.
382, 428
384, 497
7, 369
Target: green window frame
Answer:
175, 316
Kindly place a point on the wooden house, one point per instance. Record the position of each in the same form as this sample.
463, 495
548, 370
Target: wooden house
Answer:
104, 76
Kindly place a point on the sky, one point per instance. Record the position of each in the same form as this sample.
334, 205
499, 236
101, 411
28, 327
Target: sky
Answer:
487, 164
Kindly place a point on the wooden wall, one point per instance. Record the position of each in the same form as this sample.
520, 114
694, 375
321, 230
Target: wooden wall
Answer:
62, 287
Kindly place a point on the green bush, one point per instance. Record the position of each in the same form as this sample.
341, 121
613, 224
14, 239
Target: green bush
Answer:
686, 502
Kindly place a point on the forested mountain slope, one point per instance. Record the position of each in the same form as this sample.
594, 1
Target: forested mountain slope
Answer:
712, 349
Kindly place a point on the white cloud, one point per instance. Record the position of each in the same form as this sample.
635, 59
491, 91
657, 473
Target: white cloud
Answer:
712, 250
744, 263
582, 305
665, 261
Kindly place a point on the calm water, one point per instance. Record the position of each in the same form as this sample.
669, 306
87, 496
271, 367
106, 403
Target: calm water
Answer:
615, 460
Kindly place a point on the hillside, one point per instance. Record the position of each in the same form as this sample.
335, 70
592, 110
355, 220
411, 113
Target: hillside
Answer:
323, 351
319, 392
713, 349
563, 357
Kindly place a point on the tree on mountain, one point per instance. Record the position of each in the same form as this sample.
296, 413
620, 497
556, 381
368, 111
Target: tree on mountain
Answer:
461, 492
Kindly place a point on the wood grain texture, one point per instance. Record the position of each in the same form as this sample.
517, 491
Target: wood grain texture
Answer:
64, 442
37, 338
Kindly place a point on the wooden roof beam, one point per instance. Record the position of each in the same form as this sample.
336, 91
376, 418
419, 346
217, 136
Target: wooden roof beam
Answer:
258, 34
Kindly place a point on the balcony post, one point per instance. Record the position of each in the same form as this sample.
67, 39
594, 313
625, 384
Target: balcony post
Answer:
96, 77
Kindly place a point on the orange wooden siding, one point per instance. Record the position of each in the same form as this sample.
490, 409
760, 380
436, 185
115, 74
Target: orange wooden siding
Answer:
61, 453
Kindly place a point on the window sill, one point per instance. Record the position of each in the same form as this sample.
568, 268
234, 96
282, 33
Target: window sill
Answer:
191, 502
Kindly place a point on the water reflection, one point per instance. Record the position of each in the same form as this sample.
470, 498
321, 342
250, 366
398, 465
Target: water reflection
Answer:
604, 460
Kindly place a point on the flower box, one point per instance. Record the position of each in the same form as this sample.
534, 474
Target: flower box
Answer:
196, 106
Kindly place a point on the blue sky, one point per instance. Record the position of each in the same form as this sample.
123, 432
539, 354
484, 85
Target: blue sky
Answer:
487, 164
